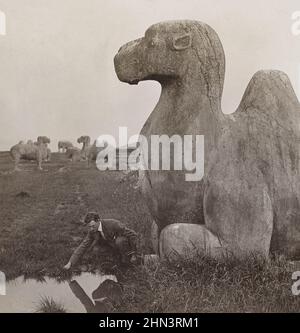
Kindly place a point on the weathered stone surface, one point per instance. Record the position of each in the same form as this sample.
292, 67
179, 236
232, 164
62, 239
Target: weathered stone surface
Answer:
250, 195
252, 185
182, 241
187, 58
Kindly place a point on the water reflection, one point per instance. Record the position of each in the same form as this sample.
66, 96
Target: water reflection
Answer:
75, 296
106, 298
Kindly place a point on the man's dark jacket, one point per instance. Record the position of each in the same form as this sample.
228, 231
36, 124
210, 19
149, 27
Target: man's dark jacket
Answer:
112, 229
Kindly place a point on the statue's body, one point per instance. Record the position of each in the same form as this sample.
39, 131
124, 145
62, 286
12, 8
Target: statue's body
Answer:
249, 198
63, 146
38, 151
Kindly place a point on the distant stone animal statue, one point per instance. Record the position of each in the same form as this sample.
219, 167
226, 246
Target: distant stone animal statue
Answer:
30, 151
46, 153
88, 152
63, 146
94, 151
249, 198
73, 154
86, 144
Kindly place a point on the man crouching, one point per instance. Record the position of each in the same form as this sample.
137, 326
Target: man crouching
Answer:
105, 232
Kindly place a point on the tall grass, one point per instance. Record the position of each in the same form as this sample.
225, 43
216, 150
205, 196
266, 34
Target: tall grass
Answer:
48, 305
205, 285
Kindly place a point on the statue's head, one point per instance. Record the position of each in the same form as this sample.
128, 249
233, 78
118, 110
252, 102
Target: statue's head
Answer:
43, 139
84, 139
174, 50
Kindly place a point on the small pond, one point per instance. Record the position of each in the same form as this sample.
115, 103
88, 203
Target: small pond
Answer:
25, 296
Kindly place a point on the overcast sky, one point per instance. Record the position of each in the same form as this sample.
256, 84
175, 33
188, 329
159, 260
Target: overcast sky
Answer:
56, 60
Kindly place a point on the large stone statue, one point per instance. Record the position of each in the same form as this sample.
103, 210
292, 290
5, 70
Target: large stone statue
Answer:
249, 198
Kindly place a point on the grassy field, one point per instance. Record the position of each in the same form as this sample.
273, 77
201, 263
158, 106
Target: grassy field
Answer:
41, 212
40, 226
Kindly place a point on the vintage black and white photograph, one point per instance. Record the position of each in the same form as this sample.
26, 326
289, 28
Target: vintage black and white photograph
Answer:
149, 157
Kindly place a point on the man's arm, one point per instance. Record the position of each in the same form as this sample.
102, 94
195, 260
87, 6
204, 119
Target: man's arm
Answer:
82, 248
